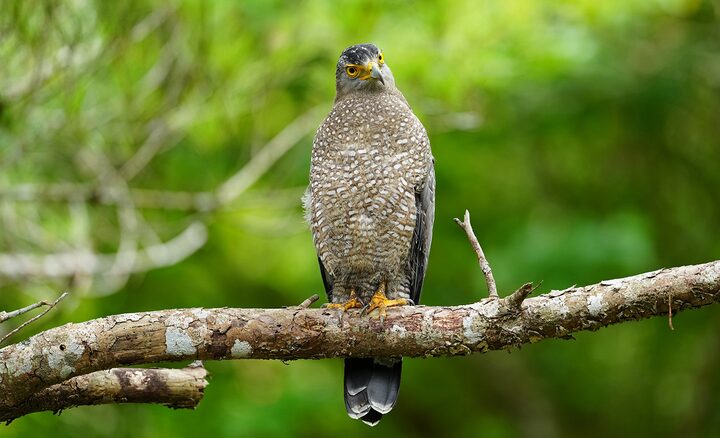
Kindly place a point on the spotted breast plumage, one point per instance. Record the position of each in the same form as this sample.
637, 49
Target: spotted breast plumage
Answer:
370, 204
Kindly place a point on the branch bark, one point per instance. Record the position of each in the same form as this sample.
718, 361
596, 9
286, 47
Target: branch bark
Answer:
175, 388
291, 333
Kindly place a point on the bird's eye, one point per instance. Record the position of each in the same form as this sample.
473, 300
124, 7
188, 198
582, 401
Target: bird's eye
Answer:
381, 58
352, 71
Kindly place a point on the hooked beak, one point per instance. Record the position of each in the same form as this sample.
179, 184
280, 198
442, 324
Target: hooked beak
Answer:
376, 73
374, 70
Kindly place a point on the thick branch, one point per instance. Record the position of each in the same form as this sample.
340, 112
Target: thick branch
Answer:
296, 333
175, 388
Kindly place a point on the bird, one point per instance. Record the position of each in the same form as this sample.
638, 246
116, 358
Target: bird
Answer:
370, 204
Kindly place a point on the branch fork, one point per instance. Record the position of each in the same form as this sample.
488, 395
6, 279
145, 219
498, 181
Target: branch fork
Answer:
4, 316
513, 302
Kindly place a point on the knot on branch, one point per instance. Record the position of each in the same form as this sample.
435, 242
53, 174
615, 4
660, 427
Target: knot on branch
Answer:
512, 304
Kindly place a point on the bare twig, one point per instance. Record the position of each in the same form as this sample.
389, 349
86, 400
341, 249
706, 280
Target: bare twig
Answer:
111, 188
482, 261
268, 155
670, 323
156, 140
309, 301
53, 65
516, 298
4, 316
35, 318
128, 222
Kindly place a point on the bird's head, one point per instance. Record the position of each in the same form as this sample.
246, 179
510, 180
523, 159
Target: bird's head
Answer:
363, 68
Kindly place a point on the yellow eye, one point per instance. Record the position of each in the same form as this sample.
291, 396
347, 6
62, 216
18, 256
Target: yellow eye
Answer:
352, 71
381, 58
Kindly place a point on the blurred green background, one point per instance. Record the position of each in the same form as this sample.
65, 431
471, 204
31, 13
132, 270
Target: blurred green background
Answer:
583, 136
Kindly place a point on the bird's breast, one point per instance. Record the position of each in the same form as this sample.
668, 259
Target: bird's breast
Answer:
364, 207
368, 159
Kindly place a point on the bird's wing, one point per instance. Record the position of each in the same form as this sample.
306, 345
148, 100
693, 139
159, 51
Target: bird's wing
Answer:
422, 235
327, 280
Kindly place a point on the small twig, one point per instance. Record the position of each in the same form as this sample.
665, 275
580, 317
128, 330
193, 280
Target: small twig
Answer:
35, 318
309, 302
291, 135
482, 261
670, 323
4, 316
516, 298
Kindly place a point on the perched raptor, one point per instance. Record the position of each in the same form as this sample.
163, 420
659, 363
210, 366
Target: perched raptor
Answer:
370, 205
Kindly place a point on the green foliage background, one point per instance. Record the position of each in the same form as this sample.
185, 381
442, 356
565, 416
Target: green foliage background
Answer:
583, 136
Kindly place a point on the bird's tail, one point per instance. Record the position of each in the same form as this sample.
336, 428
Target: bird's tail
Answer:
371, 388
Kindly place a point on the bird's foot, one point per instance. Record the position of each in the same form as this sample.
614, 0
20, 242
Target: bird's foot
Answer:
381, 302
352, 303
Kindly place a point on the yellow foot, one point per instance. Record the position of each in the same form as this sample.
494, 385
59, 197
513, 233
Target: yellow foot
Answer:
381, 302
352, 303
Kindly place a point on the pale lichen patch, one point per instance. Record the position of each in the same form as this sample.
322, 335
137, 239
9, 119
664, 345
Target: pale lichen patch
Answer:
200, 313
709, 275
178, 343
596, 304
137, 379
515, 329
241, 349
559, 305
400, 330
222, 319
472, 328
179, 320
134, 317
487, 307
63, 353
19, 364
551, 307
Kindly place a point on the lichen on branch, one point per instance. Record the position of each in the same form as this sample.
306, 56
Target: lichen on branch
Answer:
291, 333
175, 388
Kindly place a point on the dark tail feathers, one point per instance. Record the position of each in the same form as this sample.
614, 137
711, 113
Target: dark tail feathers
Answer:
371, 388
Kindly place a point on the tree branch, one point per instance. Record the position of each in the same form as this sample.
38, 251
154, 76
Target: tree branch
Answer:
109, 195
238, 183
297, 333
175, 388
482, 260
5, 316
83, 262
